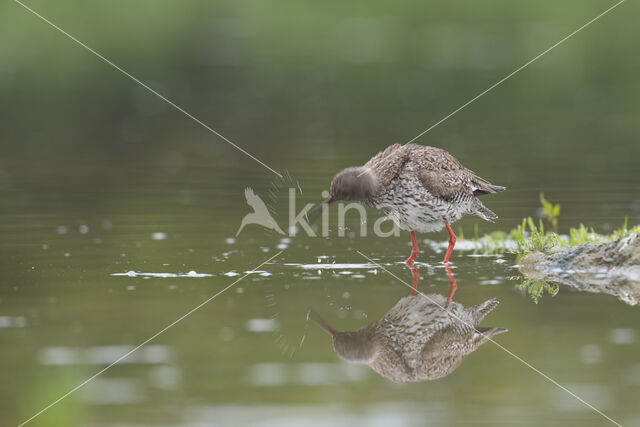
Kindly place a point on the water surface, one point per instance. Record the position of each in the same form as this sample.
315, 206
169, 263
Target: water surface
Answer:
118, 214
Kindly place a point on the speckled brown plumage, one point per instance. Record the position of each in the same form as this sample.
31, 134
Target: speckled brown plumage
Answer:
417, 340
420, 188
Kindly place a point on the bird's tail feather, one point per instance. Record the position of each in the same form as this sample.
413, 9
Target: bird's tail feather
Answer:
485, 333
482, 211
481, 310
483, 187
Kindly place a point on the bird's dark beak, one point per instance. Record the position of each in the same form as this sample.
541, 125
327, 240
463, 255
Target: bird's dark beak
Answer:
321, 322
314, 213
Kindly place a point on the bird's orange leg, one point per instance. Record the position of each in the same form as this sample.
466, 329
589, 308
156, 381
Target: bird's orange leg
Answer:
453, 285
415, 276
452, 243
414, 249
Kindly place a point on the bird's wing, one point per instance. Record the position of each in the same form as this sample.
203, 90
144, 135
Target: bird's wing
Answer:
441, 174
390, 364
444, 352
254, 200
387, 164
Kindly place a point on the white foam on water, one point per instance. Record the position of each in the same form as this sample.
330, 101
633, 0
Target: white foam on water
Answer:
304, 374
622, 336
590, 354
259, 272
165, 377
13, 322
482, 255
104, 355
331, 266
192, 273
261, 325
267, 374
113, 391
591, 392
159, 235
470, 245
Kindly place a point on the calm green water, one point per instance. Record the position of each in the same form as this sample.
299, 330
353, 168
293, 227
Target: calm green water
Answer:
118, 214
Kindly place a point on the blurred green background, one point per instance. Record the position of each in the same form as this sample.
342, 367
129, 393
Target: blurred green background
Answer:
92, 164
300, 84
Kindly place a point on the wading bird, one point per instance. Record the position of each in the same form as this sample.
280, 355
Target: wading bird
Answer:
420, 188
417, 339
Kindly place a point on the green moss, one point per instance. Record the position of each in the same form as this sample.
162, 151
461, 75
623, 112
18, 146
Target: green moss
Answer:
550, 213
530, 237
536, 288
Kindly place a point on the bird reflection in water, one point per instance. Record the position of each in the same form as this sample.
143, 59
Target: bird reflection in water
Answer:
418, 339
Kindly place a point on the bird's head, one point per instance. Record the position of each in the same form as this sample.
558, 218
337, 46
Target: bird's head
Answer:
354, 346
356, 183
